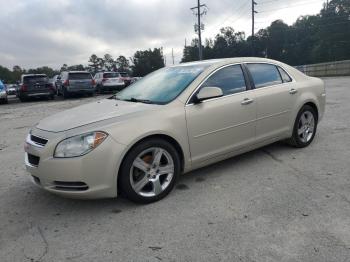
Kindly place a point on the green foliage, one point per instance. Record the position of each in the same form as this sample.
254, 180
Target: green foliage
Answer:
311, 39
147, 61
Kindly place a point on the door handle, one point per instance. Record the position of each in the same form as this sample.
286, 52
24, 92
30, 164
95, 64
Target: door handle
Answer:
293, 91
247, 101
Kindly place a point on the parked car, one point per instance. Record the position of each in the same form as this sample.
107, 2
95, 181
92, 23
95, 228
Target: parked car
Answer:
35, 85
55, 81
75, 82
11, 89
126, 78
3, 93
175, 120
135, 79
108, 81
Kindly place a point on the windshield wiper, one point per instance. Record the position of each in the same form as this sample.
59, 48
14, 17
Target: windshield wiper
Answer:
137, 100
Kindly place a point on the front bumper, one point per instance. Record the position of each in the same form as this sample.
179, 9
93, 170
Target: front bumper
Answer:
91, 176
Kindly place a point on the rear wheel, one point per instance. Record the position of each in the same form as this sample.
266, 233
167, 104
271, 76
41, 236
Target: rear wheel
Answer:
149, 171
305, 127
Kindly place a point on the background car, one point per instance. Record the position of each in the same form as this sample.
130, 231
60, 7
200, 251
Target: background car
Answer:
11, 89
3, 93
135, 79
108, 81
75, 82
126, 78
35, 85
55, 80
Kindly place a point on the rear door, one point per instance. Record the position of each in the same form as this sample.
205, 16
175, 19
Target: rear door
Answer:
222, 125
274, 100
80, 80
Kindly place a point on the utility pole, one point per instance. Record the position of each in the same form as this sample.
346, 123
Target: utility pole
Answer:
253, 25
172, 55
197, 10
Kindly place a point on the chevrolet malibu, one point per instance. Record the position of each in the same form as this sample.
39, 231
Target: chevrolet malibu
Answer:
174, 120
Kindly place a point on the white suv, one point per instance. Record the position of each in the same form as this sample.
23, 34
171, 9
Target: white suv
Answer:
109, 81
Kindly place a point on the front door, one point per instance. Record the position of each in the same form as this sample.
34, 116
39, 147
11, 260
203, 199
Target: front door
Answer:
222, 125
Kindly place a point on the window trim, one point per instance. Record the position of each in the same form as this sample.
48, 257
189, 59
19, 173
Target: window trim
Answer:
267, 63
249, 87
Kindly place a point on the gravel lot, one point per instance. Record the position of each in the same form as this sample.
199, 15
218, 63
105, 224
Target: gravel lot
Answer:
272, 204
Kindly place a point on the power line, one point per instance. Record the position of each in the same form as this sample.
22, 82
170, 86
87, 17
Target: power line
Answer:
291, 6
227, 18
197, 11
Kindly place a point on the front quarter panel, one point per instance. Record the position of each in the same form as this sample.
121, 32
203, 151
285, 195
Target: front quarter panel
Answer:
169, 120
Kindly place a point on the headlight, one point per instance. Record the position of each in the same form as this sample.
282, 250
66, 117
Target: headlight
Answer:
79, 145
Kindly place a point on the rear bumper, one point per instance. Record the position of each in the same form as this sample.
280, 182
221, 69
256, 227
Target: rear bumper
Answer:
36, 93
80, 90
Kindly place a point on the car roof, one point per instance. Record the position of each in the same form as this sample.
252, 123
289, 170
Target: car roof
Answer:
222, 61
78, 72
34, 75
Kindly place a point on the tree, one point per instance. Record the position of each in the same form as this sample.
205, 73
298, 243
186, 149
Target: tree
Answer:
147, 61
109, 62
64, 67
123, 64
94, 63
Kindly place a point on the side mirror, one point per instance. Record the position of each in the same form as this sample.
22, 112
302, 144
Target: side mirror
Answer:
208, 92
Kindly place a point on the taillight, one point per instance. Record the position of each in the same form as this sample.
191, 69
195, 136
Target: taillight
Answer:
51, 87
66, 83
24, 88
93, 82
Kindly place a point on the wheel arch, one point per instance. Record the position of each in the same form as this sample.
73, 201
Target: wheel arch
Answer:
165, 137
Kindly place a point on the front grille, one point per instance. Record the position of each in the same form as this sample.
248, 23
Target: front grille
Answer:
70, 186
38, 140
33, 160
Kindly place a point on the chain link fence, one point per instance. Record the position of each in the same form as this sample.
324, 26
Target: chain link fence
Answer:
338, 68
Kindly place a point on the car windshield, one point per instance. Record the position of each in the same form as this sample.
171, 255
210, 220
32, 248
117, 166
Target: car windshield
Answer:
162, 86
79, 76
34, 79
111, 75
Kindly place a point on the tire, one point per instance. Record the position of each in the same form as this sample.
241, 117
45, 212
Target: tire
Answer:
23, 99
155, 185
51, 97
303, 139
91, 94
65, 93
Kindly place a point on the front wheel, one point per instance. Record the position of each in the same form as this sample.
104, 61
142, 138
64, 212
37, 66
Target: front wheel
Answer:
305, 127
149, 171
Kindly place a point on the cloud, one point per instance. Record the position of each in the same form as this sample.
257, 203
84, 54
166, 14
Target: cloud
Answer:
53, 32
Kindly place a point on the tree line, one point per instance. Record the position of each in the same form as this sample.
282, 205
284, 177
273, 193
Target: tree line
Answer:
311, 39
142, 63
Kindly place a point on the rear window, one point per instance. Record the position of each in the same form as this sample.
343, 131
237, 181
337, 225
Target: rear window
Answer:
32, 79
111, 75
264, 75
124, 74
79, 76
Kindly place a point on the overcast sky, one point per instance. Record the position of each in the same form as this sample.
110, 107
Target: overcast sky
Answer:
35, 33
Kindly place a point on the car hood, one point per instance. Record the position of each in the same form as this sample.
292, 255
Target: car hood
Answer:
91, 113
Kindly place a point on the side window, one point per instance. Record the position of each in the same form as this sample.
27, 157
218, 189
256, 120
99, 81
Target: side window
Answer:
285, 77
230, 79
264, 75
